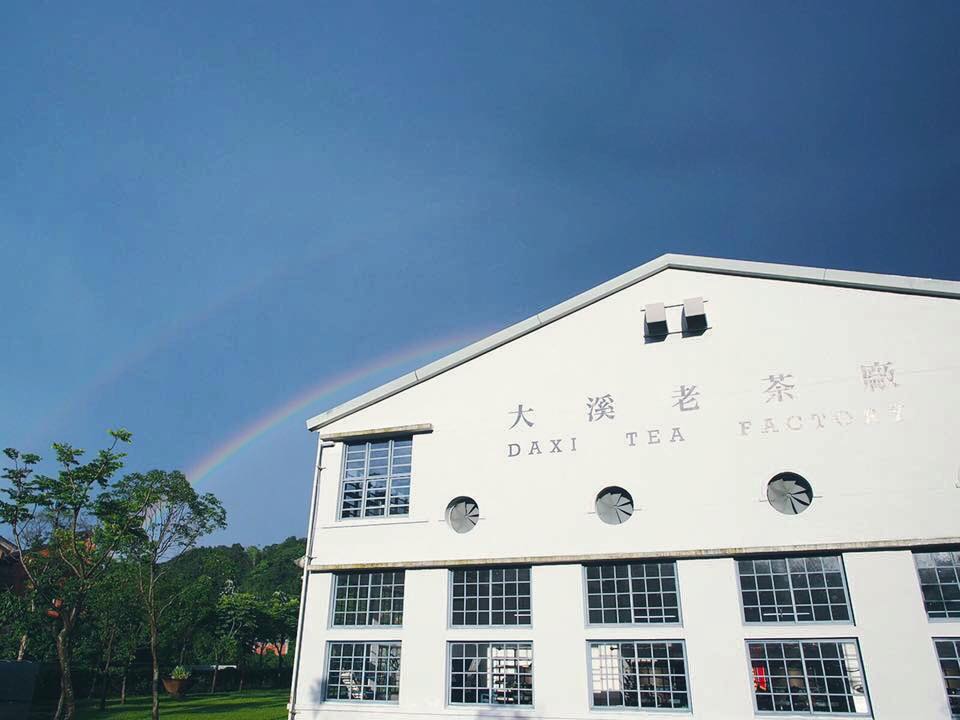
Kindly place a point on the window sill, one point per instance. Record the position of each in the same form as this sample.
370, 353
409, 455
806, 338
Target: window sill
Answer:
796, 623
794, 715
492, 709
367, 522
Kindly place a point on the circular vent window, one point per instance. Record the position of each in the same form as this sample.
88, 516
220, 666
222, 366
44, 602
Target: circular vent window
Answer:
614, 505
789, 493
463, 514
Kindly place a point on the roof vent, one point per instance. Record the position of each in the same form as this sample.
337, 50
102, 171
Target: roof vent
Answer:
655, 321
694, 316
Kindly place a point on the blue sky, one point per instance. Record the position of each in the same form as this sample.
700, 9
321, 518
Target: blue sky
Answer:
206, 208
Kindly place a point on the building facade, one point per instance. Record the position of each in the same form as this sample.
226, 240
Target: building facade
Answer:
706, 488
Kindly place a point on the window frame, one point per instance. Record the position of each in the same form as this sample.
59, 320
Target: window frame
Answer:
331, 621
851, 620
688, 710
448, 682
450, 597
943, 677
586, 596
387, 515
927, 551
366, 643
806, 713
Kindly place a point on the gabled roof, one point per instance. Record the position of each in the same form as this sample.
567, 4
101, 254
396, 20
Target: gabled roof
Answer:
7, 547
771, 271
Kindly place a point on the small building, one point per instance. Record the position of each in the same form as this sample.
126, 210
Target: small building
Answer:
12, 576
706, 488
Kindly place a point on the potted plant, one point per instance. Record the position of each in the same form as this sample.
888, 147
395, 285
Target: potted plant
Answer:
178, 682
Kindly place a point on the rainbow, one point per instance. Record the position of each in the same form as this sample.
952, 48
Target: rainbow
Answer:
233, 445
137, 353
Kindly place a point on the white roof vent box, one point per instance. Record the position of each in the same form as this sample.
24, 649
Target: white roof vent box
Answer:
687, 319
655, 322
694, 317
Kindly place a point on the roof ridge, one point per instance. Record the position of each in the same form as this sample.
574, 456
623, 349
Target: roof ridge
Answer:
746, 268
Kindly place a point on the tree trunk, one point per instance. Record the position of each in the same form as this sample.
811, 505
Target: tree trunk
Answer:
68, 702
123, 689
279, 646
240, 670
105, 678
93, 684
58, 715
24, 639
155, 679
216, 667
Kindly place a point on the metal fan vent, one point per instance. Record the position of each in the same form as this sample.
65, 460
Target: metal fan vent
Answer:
614, 505
789, 493
463, 514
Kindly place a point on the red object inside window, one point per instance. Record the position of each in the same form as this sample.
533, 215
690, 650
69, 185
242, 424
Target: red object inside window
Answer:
759, 677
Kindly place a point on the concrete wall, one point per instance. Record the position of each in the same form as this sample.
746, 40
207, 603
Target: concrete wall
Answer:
882, 462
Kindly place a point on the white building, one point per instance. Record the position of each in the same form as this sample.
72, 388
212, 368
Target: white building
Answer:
709, 488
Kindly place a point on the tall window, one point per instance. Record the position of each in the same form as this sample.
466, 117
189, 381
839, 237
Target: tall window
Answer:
795, 589
368, 598
491, 673
634, 674
629, 593
940, 582
816, 676
376, 478
948, 650
363, 671
490, 596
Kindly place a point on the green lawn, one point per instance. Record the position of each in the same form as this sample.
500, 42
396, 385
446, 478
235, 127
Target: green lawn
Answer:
251, 705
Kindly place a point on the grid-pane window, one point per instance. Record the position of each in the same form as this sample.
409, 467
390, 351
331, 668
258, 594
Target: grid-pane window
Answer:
940, 583
376, 478
490, 596
368, 598
817, 676
794, 589
640, 674
491, 673
628, 593
948, 650
363, 671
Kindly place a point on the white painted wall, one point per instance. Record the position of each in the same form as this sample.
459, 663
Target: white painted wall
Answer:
879, 475
902, 673
707, 491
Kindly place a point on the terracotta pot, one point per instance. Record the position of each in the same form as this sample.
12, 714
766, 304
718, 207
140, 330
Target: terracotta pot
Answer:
177, 688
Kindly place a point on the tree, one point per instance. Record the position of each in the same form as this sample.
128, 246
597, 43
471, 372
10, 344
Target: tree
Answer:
114, 620
198, 577
67, 529
277, 569
23, 632
175, 517
242, 620
282, 612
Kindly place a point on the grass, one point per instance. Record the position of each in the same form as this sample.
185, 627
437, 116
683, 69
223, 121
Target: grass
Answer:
251, 705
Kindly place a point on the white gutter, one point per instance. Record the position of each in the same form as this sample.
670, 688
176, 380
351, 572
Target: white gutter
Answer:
291, 706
